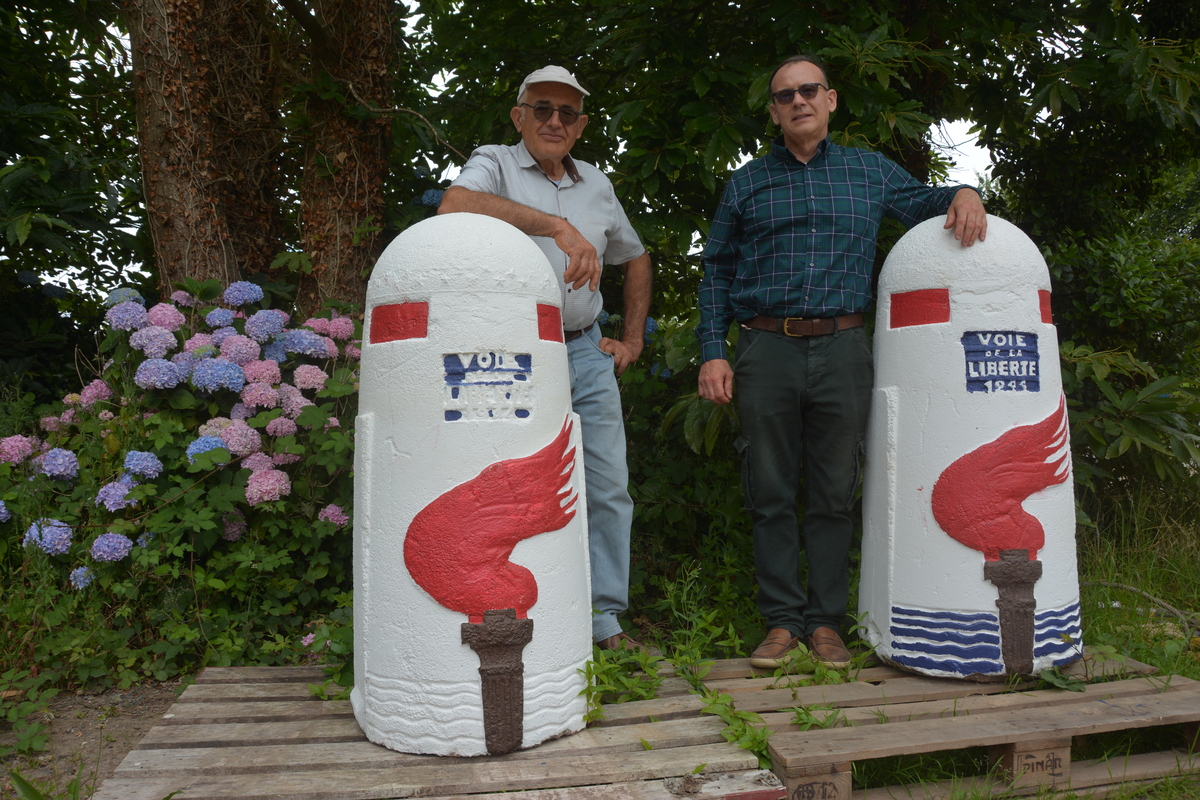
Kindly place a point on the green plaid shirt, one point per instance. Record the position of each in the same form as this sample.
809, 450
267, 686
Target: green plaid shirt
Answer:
798, 240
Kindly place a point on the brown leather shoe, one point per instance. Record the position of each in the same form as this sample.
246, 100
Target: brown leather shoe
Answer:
827, 647
771, 653
623, 641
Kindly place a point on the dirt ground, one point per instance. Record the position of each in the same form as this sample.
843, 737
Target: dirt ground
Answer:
92, 731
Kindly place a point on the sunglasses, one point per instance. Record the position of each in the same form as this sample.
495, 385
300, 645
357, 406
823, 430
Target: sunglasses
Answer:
543, 113
808, 91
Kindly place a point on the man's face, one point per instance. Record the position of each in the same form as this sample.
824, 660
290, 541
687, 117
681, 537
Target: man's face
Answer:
802, 120
549, 140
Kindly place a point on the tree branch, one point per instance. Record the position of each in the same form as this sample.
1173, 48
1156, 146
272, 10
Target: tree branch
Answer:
428, 124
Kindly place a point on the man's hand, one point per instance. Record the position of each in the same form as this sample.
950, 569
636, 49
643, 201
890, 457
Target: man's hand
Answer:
623, 353
583, 265
716, 381
967, 216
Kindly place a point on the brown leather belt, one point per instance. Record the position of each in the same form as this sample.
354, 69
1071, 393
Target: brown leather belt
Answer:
570, 336
798, 326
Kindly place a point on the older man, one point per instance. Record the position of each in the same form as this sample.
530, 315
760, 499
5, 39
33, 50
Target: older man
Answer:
789, 258
568, 208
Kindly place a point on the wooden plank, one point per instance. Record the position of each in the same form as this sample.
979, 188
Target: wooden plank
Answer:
247, 759
254, 711
672, 686
450, 776
978, 704
688, 705
761, 682
235, 692
907, 689
748, 785
840, 744
311, 731
314, 674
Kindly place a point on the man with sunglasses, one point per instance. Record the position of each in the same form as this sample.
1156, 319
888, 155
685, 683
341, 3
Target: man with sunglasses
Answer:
789, 257
569, 210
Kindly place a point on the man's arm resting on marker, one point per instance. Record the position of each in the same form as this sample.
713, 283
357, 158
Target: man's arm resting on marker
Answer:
636, 299
967, 216
583, 265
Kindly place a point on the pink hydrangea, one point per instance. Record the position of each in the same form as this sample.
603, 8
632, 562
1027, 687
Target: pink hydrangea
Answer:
316, 325
106, 415
240, 349
281, 426
241, 439
262, 371
94, 392
331, 348
241, 411
266, 485
50, 424
72, 399
198, 341
165, 315
67, 417
15, 449
256, 461
333, 513
214, 426
309, 377
260, 395
332, 422
285, 458
340, 328
291, 401
183, 298
352, 351
235, 526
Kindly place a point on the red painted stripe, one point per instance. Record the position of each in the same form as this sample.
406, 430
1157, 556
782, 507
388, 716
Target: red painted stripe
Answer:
1044, 302
397, 321
549, 323
921, 307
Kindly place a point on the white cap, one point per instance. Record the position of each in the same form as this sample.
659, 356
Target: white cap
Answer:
551, 74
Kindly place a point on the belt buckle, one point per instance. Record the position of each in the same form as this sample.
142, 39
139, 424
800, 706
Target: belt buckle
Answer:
786, 332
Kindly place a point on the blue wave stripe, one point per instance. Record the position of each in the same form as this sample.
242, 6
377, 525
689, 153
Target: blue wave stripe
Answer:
978, 651
982, 625
948, 636
1066, 625
1071, 610
957, 667
945, 615
1067, 659
1052, 648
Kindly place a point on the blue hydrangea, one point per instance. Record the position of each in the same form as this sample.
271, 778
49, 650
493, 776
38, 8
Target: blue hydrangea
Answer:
128, 316
240, 293
212, 374
145, 539
221, 334
115, 496
53, 536
154, 341
111, 547
203, 445
81, 577
5, 514
61, 464
651, 326
124, 295
28, 277
219, 317
431, 197
305, 342
602, 317
263, 325
206, 351
142, 463
274, 352
54, 291
158, 373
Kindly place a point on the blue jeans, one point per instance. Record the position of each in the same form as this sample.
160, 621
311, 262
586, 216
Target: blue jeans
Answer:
803, 404
597, 400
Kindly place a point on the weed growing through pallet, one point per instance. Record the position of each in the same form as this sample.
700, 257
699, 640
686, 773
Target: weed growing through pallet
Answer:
808, 718
746, 729
618, 676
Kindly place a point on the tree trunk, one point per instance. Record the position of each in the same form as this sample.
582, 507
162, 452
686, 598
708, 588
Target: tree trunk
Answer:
342, 202
207, 136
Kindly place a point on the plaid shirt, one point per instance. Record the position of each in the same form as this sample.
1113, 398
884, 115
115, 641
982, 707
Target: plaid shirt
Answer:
798, 240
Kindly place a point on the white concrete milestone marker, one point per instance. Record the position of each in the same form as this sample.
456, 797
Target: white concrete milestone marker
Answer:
472, 609
969, 517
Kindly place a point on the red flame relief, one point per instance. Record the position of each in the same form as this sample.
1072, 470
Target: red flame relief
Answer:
457, 547
977, 499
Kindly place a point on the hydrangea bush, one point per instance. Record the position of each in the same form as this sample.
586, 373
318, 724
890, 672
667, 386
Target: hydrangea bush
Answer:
191, 504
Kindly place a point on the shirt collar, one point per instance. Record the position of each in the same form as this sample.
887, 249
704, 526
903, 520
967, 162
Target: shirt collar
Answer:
525, 159
779, 150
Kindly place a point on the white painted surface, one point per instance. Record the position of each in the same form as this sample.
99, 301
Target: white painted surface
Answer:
417, 686
923, 418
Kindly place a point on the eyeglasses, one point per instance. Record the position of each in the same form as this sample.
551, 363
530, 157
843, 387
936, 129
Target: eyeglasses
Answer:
807, 90
543, 113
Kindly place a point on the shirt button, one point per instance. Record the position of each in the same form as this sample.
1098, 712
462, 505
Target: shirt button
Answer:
814, 230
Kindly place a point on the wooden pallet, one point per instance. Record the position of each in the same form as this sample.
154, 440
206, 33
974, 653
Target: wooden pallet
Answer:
256, 732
